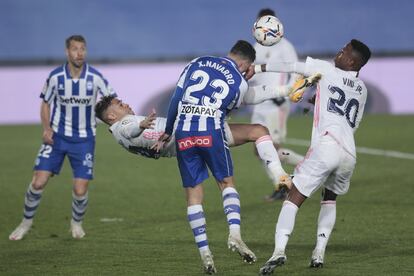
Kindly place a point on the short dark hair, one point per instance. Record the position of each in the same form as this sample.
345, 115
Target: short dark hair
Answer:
266, 11
362, 50
102, 106
78, 38
244, 50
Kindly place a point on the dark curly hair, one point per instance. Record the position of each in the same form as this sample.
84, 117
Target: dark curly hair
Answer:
102, 106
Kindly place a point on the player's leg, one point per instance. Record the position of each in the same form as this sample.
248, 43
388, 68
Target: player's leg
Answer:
308, 177
79, 206
243, 133
81, 158
326, 222
48, 162
231, 206
219, 161
197, 221
284, 228
193, 172
336, 184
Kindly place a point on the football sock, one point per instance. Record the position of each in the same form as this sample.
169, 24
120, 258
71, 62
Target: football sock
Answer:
79, 204
290, 157
326, 222
31, 202
285, 224
195, 216
268, 154
231, 205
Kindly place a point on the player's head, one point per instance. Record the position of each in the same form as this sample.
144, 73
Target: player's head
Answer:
353, 56
110, 110
266, 11
243, 54
76, 50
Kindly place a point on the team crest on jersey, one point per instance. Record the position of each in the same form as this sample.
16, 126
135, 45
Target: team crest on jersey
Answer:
127, 121
89, 85
88, 162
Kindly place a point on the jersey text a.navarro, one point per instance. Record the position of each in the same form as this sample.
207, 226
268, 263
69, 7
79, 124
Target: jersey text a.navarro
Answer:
219, 67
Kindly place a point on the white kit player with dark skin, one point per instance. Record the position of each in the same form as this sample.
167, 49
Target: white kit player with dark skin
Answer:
274, 113
331, 158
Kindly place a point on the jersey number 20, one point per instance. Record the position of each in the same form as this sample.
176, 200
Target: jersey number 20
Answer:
342, 107
221, 90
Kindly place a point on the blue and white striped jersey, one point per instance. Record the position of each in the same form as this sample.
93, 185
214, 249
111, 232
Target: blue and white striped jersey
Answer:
207, 90
73, 101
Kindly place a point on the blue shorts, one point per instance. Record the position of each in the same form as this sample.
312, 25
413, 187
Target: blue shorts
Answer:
201, 149
81, 155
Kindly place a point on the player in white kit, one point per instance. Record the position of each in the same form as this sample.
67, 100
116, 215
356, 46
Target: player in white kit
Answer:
274, 113
331, 158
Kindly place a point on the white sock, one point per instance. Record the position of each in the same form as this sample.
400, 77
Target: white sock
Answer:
269, 156
290, 157
326, 222
285, 224
195, 216
231, 205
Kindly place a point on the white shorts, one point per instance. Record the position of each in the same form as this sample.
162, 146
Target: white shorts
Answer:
273, 117
326, 164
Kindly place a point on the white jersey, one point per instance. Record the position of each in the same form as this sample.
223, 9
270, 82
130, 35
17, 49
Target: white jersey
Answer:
129, 135
280, 52
339, 105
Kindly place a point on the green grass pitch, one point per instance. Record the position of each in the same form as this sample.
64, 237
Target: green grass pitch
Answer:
373, 235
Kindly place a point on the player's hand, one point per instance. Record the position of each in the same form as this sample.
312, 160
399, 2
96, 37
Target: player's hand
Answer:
299, 87
249, 73
48, 136
148, 122
164, 138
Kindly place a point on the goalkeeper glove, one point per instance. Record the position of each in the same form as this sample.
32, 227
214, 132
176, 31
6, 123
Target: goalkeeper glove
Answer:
299, 87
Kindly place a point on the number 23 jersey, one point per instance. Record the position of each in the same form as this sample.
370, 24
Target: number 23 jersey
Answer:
211, 87
339, 104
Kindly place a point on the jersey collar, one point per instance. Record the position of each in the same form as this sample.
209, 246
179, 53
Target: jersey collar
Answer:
82, 75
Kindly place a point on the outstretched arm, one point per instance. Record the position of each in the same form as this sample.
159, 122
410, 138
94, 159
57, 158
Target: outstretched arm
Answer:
131, 128
258, 94
285, 67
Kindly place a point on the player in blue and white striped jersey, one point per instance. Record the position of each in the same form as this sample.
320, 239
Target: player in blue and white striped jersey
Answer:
208, 89
69, 127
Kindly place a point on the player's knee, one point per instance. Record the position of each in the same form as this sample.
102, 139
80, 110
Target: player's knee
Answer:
258, 131
38, 183
80, 187
328, 195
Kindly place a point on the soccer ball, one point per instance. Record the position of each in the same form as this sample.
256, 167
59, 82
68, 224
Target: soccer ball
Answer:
268, 30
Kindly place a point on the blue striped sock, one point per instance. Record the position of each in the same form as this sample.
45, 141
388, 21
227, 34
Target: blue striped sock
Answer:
31, 202
79, 204
231, 205
197, 222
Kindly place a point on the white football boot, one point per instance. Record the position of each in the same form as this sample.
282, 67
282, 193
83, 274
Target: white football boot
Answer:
208, 263
21, 230
317, 258
76, 229
236, 244
278, 259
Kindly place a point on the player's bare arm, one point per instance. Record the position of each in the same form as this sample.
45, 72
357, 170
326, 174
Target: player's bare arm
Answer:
45, 118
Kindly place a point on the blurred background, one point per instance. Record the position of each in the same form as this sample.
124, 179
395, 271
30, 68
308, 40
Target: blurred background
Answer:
142, 46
